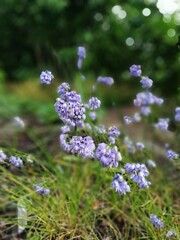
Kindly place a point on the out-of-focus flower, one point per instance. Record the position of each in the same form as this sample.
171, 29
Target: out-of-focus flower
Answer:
177, 115
120, 185
16, 161
2, 156
163, 124
135, 70
46, 77
94, 103
139, 145
40, 190
146, 82
170, 233
145, 110
155, 221
18, 122
81, 56
128, 120
92, 115
151, 163
106, 80
170, 154
65, 129
137, 117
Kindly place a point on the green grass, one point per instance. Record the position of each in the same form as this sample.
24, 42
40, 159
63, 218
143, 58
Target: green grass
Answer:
82, 204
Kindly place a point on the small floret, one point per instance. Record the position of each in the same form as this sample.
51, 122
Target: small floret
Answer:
155, 221
135, 70
46, 77
16, 161
120, 185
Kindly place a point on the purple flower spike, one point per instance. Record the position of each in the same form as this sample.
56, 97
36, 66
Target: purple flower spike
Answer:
120, 185
81, 56
46, 77
156, 222
135, 70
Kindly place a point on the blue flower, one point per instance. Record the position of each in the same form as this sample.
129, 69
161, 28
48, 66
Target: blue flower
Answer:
177, 115
40, 190
146, 82
81, 56
170, 154
135, 70
106, 80
151, 163
94, 103
2, 156
120, 185
46, 77
162, 124
109, 157
16, 161
156, 222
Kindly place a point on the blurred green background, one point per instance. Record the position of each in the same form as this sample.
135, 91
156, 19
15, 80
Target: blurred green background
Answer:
44, 34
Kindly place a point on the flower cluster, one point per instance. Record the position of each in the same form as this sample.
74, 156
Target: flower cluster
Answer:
106, 80
170, 154
16, 161
162, 124
109, 157
40, 190
94, 103
113, 133
135, 70
138, 172
69, 106
46, 77
120, 185
155, 221
82, 146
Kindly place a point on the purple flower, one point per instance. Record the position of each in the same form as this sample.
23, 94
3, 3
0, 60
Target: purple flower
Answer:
158, 101
92, 115
140, 145
106, 80
94, 103
138, 172
2, 156
145, 110
81, 56
109, 157
151, 163
135, 70
163, 124
128, 120
146, 82
71, 113
16, 161
63, 89
177, 115
65, 129
40, 190
82, 146
170, 233
63, 142
144, 98
120, 185
113, 132
137, 117
46, 77
170, 154
156, 222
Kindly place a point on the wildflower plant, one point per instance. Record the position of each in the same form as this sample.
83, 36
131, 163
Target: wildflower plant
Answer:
99, 179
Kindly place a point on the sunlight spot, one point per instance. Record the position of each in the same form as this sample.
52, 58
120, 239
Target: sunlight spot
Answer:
167, 6
146, 12
129, 41
98, 17
171, 32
